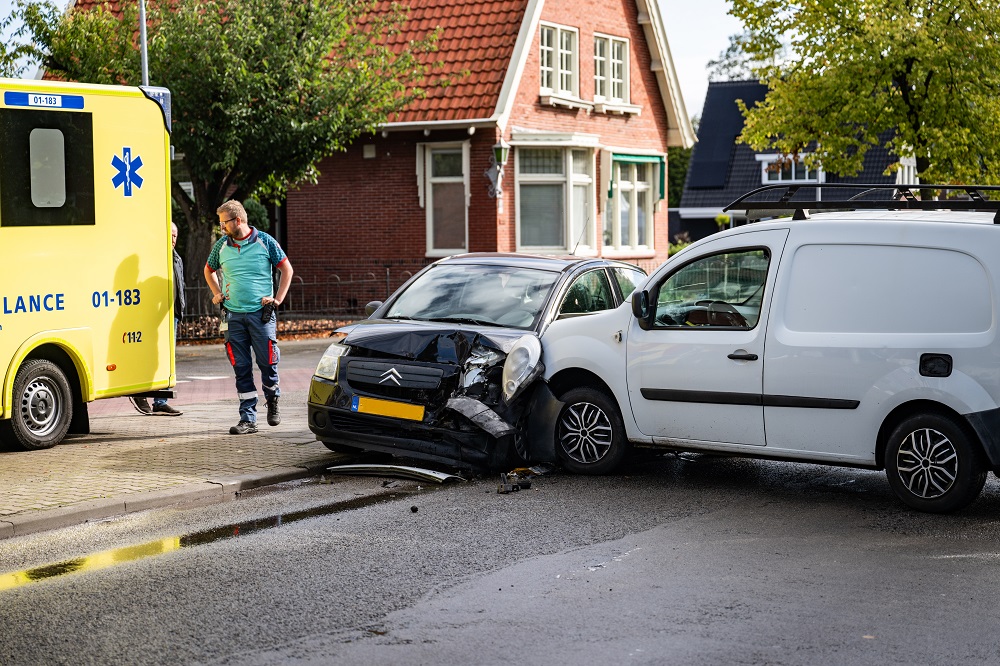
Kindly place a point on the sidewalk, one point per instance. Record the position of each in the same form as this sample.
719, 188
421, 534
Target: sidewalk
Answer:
132, 462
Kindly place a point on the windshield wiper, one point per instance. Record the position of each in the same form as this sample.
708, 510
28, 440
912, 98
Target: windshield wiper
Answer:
467, 320
404, 317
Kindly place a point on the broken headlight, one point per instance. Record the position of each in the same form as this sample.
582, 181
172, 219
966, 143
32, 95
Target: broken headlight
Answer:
524, 363
330, 363
480, 360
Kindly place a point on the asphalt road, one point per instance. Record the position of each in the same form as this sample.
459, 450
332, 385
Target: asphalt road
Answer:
677, 561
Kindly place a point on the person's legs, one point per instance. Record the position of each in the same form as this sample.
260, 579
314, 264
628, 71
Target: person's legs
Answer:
160, 404
264, 336
238, 348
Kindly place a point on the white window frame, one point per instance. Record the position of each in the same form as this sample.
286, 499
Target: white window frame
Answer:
568, 179
646, 190
560, 66
609, 80
425, 190
766, 160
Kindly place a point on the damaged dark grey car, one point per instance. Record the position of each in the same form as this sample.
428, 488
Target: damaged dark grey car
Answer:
450, 368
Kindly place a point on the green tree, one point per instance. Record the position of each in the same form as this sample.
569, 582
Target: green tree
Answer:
262, 90
735, 64
928, 71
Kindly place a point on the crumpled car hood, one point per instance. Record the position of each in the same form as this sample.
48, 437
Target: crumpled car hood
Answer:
429, 341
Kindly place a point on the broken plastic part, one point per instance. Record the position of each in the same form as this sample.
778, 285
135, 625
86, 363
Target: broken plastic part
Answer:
403, 471
481, 415
512, 482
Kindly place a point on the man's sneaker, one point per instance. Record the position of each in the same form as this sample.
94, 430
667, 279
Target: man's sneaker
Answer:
273, 416
142, 405
166, 410
243, 428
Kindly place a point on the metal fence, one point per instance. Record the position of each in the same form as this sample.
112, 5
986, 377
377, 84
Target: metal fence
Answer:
311, 306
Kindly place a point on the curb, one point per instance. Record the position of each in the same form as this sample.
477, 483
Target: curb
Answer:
211, 490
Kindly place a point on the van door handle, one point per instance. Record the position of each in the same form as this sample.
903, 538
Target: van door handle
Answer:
743, 357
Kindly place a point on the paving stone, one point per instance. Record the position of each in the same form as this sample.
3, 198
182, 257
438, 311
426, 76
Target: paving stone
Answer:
132, 462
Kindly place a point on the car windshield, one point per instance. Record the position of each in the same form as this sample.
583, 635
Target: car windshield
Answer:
476, 294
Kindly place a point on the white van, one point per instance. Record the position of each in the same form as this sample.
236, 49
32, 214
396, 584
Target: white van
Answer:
865, 338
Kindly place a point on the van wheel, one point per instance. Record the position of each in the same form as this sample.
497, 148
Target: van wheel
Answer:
590, 437
42, 406
932, 465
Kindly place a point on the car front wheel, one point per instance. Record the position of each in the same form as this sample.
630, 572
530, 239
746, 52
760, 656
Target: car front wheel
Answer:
590, 437
42, 406
932, 465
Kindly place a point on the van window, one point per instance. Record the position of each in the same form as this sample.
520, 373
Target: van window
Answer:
723, 290
47, 173
886, 289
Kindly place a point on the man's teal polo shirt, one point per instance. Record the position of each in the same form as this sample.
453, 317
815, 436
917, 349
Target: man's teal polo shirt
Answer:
245, 265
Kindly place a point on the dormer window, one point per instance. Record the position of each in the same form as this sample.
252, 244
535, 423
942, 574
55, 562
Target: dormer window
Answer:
786, 169
559, 56
611, 70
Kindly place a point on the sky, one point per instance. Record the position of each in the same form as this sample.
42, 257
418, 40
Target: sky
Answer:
698, 31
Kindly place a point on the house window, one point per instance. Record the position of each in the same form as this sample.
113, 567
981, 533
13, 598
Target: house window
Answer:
778, 169
559, 60
555, 199
630, 219
446, 169
611, 69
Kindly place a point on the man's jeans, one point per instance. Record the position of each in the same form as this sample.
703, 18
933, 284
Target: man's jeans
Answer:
159, 402
246, 332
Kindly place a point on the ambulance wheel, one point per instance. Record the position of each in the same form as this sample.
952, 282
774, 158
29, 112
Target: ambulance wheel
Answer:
42, 406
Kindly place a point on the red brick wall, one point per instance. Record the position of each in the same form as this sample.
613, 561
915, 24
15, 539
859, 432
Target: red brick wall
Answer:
364, 215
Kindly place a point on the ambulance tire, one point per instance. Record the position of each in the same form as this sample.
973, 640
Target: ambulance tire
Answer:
42, 406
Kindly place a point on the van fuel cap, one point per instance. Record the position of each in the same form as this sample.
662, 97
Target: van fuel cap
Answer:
935, 365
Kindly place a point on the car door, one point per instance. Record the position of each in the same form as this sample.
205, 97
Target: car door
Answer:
694, 366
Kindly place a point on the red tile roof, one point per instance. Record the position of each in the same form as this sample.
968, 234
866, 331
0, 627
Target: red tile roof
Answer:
474, 51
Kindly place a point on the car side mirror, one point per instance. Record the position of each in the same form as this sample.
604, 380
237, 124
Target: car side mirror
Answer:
640, 307
372, 307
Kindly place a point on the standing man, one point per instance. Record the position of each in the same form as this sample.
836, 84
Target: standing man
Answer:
160, 405
246, 257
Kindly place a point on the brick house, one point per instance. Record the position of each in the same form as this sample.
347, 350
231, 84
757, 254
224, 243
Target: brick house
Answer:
584, 94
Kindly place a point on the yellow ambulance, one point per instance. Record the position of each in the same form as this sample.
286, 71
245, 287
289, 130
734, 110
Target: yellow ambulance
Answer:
86, 294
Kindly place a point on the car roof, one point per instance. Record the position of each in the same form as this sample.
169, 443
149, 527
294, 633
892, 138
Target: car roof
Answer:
536, 261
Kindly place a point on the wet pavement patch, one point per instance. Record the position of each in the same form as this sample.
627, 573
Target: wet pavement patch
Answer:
116, 556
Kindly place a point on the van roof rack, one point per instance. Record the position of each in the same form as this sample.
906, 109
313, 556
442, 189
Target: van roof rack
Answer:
903, 197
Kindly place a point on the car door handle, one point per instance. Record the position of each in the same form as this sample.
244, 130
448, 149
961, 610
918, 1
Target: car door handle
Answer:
743, 357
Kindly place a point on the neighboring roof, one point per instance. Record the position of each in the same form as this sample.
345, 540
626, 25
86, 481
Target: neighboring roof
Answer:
721, 170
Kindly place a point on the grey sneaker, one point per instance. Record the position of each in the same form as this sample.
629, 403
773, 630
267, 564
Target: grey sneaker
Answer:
166, 410
273, 415
142, 404
243, 428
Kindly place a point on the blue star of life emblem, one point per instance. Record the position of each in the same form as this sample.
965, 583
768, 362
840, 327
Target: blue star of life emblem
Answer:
127, 171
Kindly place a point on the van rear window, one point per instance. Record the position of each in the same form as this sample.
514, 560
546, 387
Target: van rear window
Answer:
886, 289
47, 171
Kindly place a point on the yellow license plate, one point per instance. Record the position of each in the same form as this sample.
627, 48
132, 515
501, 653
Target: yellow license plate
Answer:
399, 410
